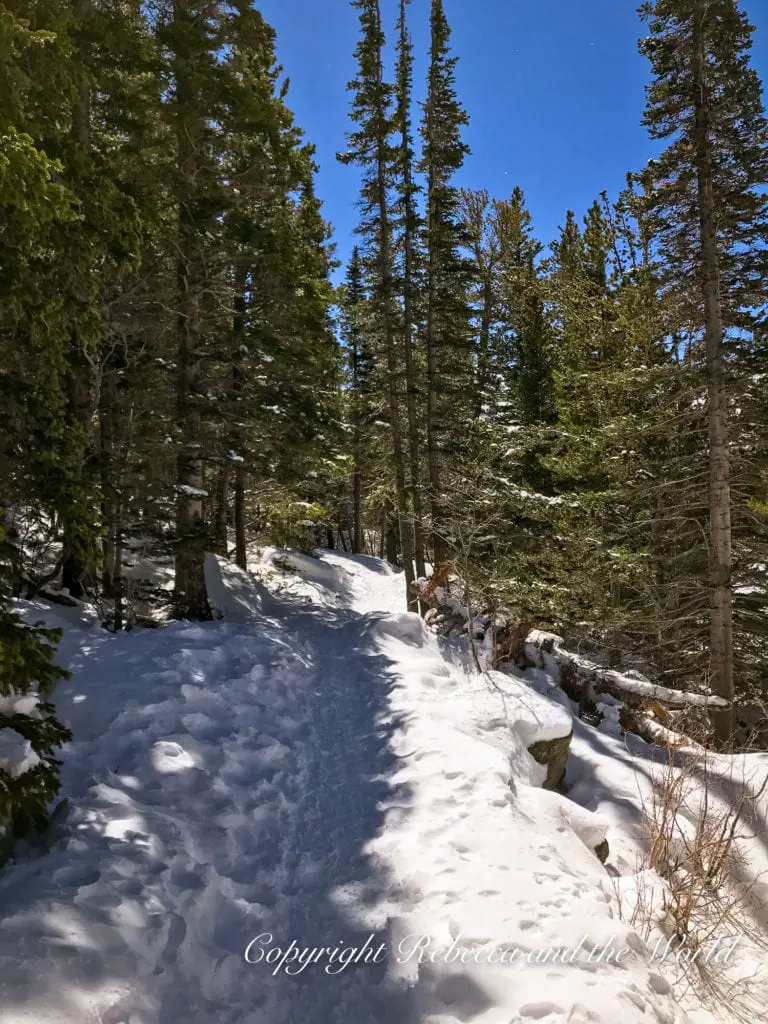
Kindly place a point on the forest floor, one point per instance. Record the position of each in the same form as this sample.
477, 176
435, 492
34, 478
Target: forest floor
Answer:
310, 812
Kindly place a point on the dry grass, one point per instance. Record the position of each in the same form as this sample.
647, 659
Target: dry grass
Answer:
695, 823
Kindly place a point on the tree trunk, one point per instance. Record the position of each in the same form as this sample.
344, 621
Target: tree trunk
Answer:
388, 316
357, 526
357, 473
117, 575
190, 596
237, 386
390, 538
109, 483
77, 533
220, 509
409, 212
241, 553
439, 545
720, 555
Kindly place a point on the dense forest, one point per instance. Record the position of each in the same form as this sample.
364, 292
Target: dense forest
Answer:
572, 431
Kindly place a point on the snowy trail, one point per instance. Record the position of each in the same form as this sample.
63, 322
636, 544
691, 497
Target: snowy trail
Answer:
205, 830
331, 872
174, 847
322, 776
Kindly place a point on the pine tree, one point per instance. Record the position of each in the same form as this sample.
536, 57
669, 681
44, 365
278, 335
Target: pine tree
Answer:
515, 366
449, 366
711, 213
526, 322
27, 676
359, 378
34, 206
410, 258
370, 146
274, 377
477, 213
192, 35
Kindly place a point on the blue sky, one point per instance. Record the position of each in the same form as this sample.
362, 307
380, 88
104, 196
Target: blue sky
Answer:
554, 91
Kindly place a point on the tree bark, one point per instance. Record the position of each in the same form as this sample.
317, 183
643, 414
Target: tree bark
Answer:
388, 316
109, 482
357, 527
720, 548
390, 537
76, 537
584, 679
237, 386
433, 417
409, 217
241, 548
220, 509
190, 596
117, 575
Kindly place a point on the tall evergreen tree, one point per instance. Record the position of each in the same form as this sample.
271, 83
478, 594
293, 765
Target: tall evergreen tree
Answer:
712, 218
193, 35
34, 207
360, 383
449, 365
477, 212
407, 195
371, 147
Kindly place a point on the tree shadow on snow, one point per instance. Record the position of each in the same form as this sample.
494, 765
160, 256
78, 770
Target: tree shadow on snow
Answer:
336, 884
144, 904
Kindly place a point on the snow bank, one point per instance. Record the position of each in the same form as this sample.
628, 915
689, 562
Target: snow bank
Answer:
320, 777
500, 864
234, 594
330, 579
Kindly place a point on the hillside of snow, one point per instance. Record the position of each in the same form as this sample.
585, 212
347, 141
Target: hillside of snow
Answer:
305, 812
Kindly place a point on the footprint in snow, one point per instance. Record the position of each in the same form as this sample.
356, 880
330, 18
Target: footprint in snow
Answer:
538, 1011
169, 757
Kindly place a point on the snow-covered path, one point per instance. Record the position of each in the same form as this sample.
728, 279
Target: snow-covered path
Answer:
316, 775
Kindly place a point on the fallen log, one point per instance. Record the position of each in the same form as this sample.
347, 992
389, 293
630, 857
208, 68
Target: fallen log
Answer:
655, 733
583, 679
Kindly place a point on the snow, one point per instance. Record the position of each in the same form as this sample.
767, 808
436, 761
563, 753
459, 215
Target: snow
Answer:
539, 644
232, 593
309, 812
16, 753
18, 705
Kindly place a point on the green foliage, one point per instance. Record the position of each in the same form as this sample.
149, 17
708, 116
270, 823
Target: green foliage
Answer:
27, 669
295, 524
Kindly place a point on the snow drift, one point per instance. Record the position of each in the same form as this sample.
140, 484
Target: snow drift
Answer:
310, 770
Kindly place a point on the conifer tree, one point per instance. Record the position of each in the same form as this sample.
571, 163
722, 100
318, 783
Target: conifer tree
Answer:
275, 375
477, 213
192, 35
371, 147
449, 366
34, 206
522, 306
711, 216
410, 257
360, 369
